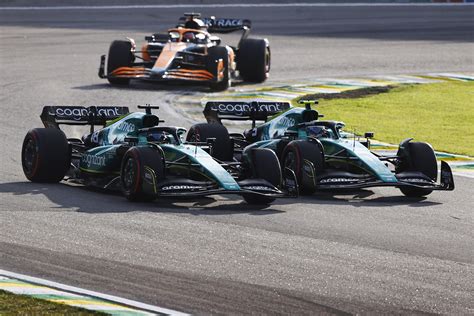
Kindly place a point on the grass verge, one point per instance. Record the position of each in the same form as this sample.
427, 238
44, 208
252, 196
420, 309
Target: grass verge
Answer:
13, 304
441, 114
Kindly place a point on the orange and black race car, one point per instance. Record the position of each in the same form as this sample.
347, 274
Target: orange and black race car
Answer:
189, 52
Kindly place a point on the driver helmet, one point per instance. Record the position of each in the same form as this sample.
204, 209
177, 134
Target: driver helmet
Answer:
189, 37
317, 131
157, 136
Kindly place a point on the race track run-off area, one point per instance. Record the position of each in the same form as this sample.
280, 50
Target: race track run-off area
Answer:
372, 251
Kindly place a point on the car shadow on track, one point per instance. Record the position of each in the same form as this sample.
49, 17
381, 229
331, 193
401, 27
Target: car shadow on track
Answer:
360, 198
145, 86
176, 87
81, 199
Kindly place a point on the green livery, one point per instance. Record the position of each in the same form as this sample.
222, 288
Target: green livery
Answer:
323, 156
133, 153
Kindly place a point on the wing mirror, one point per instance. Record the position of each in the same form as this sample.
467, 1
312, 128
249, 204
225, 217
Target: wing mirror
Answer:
215, 39
367, 135
210, 142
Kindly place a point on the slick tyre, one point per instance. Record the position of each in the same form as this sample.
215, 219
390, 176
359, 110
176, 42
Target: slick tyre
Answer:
298, 156
215, 54
265, 166
120, 55
142, 168
253, 60
223, 147
421, 158
45, 155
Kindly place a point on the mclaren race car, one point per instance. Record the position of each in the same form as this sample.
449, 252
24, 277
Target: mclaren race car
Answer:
189, 52
135, 154
323, 156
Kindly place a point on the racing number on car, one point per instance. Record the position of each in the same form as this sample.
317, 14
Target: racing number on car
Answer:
95, 137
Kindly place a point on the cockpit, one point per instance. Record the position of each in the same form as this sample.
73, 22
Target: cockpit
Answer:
188, 36
161, 137
319, 132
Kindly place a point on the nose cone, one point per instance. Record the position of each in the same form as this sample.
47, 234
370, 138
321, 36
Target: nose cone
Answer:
157, 72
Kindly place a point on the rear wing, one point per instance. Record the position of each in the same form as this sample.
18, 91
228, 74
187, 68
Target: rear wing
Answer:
53, 116
220, 25
215, 111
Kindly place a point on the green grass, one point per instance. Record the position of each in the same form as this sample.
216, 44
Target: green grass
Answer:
441, 114
13, 304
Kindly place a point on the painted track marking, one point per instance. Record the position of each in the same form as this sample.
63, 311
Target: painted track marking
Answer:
23, 284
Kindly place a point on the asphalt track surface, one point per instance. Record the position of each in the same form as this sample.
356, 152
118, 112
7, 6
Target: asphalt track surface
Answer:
370, 251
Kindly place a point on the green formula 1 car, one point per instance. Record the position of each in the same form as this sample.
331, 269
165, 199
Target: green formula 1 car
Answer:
135, 154
324, 157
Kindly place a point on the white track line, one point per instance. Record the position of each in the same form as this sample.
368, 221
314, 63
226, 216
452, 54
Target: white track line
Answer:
230, 5
60, 286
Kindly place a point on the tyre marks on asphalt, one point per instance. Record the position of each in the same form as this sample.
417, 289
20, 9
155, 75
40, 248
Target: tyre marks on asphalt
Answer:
197, 293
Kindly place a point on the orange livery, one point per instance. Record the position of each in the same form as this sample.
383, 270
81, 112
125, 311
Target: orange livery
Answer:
189, 52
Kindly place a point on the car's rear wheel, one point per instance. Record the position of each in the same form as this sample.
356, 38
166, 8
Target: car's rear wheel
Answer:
222, 148
254, 59
218, 65
120, 55
45, 155
306, 159
267, 167
142, 168
421, 158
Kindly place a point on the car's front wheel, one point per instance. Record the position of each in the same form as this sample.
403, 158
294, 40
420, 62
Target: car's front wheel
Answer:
218, 65
306, 159
265, 166
120, 55
142, 168
420, 157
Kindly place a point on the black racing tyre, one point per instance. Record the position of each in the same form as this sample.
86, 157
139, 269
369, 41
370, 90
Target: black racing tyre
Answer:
120, 55
142, 168
216, 53
265, 166
296, 156
421, 159
223, 147
253, 59
45, 155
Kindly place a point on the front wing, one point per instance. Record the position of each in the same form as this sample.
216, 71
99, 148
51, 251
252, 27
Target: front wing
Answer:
189, 188
139, 71
415, 180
